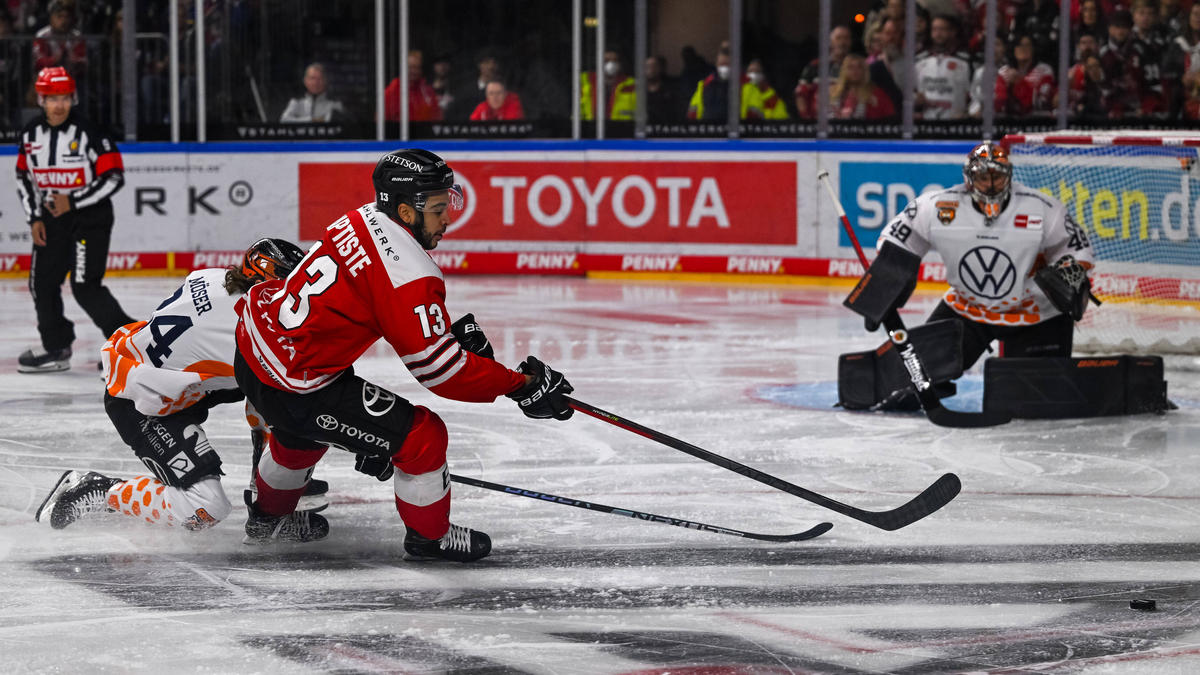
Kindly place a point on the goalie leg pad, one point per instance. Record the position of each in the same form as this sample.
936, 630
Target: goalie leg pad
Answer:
886, 285
1061, 387
867, 379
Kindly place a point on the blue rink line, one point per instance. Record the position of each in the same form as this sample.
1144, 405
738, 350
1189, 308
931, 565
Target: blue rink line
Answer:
823, 395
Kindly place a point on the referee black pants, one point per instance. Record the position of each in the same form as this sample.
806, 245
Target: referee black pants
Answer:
76, 244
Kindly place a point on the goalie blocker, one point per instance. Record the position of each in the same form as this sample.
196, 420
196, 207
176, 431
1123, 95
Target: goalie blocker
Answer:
1056, 387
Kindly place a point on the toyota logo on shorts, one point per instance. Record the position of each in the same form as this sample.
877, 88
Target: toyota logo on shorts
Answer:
327, 422
376, 401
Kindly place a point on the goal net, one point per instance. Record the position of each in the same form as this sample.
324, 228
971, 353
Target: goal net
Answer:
1138, 198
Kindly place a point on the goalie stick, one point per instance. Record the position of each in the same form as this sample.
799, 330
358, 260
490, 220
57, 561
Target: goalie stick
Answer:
934, 410
934, 497
815, 531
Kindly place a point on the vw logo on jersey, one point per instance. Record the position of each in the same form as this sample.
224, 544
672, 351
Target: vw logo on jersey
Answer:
377, 401
327, 422
988, 272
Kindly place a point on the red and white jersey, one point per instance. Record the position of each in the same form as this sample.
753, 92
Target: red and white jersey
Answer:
990, 266
945, 81
183, 353
367, 278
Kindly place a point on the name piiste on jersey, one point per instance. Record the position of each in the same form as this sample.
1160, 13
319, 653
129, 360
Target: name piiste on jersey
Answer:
990, 263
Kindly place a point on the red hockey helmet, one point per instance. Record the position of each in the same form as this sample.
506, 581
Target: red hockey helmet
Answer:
54, 81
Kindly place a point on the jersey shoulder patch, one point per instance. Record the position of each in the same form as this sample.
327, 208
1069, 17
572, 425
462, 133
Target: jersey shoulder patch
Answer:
403, 258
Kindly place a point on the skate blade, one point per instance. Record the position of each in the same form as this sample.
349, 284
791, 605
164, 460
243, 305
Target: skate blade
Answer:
60, 487
54, 367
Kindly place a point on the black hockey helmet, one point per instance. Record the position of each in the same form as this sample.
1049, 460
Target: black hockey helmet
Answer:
409, 177
989, 159
271, 259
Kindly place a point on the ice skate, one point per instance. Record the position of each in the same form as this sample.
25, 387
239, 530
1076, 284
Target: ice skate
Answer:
298, 526
459, 544
76, 495
314, 499
41, 361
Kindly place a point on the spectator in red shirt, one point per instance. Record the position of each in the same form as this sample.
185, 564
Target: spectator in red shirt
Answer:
840, 40
499, 104
1030, 82
59, 43
854, 96
422, 99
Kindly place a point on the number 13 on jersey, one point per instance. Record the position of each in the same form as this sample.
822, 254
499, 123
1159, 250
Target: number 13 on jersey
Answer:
433, 321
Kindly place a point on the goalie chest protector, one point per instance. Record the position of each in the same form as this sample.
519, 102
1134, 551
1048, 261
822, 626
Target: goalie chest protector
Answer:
1051, 387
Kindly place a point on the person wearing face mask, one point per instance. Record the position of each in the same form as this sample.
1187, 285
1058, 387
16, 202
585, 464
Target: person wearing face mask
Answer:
759, 99
710, 102
621, 101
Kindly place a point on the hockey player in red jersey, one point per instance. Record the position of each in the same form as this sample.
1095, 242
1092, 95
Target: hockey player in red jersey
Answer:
370, 276
161, 378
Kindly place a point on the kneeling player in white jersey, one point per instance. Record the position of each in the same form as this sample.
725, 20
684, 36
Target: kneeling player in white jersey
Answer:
161, 378
371, 276
1017, 267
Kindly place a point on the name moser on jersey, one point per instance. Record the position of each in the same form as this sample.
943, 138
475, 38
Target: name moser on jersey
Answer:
370, 276
1018, 272
162, 376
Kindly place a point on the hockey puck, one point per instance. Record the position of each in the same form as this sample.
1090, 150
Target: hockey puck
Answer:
1143, 604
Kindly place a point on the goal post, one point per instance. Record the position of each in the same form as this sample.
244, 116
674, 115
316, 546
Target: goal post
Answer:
1137, 195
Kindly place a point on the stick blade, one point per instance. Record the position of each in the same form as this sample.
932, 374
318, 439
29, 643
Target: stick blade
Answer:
940, 493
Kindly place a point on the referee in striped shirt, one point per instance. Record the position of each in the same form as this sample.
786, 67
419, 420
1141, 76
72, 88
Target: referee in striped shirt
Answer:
67, 173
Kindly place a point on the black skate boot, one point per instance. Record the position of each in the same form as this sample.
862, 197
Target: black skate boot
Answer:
301, 526
41, 361
459, 544
76, 495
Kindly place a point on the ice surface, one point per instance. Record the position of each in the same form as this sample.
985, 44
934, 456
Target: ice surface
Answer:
1059, 525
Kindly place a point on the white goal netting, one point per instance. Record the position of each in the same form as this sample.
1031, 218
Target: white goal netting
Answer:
1138, 197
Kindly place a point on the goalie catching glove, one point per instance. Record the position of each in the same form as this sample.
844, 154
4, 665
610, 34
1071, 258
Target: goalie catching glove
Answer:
470, 336
1067, 286
542, 397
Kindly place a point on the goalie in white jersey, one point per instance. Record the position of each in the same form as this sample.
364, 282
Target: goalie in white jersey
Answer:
1017, 267
161, 378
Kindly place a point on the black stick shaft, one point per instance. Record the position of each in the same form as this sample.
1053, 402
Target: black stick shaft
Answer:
933, 498
817, 530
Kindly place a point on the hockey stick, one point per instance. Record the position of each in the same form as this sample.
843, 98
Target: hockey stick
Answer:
937, 495
815, 531
934, 410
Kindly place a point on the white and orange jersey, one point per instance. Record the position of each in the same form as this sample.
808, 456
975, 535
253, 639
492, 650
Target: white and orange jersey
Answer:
990, 264
183, 353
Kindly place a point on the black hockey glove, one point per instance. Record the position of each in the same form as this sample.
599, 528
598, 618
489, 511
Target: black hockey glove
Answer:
542, 397
374, 465
471, 336
1067, 286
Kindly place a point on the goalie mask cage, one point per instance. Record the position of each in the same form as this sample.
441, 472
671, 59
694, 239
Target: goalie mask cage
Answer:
1137, 195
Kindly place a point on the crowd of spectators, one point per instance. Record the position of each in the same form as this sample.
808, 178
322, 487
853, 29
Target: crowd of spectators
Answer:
1129, 59
1135, 59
